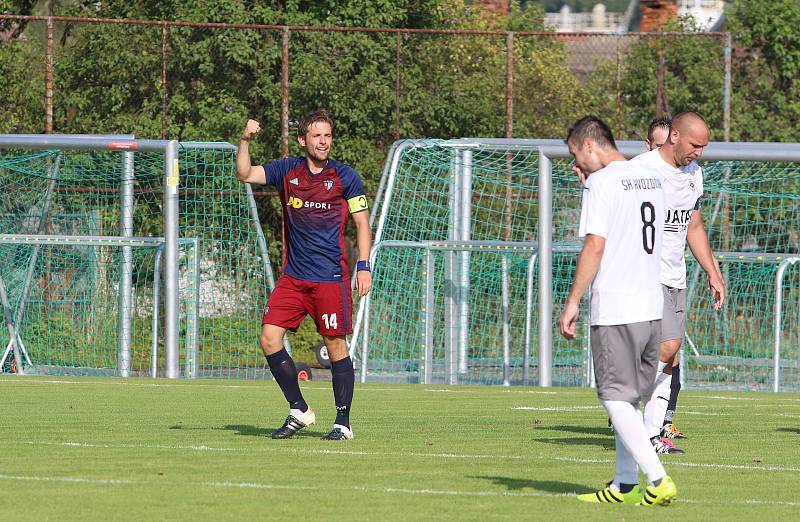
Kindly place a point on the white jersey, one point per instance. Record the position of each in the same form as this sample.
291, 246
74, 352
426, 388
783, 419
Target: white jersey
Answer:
622, 203
683, 188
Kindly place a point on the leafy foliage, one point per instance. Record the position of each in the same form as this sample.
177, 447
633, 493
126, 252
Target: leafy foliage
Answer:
693, 77
766, 54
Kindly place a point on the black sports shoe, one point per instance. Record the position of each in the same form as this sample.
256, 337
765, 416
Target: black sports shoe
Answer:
295, 422
339, 432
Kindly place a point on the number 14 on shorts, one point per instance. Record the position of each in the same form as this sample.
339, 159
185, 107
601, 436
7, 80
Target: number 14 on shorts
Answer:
330, 321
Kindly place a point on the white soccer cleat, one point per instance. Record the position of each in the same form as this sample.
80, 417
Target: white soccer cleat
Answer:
296, 421
339, 432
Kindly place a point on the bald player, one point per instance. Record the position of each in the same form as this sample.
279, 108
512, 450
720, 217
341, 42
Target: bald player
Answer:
676, 160
657, 133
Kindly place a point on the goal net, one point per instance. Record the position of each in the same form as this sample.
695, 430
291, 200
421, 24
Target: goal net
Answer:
455, 296
82, 263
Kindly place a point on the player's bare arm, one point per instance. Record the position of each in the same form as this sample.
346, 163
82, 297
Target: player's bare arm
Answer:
697, 239
588, 265
245, 171
364, 240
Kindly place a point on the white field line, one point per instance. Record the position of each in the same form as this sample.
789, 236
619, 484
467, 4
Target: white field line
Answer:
299, 451
722, 398
362, 489
685, 464
733, 413
554, 408
66, 479
26, 380
207, 384
532, 392
537, 392
738, 414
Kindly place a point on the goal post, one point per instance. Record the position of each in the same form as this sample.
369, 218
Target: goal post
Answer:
524, 191
126, 145
88, 225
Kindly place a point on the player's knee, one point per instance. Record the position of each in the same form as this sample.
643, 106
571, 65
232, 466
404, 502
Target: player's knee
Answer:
669, 349
337, 348
269, 343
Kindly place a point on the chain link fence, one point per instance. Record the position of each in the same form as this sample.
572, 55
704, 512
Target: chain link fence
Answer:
200, 80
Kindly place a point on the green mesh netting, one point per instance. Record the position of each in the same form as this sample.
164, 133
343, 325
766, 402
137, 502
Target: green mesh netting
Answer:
504, 208
233, 285
749, 207
64, 299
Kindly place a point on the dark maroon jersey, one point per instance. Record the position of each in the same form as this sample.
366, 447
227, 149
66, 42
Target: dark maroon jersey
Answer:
315, 209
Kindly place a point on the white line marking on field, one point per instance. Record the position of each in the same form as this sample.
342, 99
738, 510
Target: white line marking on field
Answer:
365, 489
255, 485
67, 479
566, 408
710, 414
360, 389
537, 392
171, 385
121, 383
685, 464
722, 398
687, 412
280, 449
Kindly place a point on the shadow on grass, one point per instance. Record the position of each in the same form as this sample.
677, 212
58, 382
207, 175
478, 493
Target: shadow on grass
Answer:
550, 486
588, 430
796, 431
603, 443
255, 431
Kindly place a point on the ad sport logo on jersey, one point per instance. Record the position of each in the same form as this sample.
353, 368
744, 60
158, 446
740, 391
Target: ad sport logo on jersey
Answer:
294, 202
328, 184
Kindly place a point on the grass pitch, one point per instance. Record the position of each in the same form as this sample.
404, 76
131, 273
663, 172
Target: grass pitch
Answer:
136, 449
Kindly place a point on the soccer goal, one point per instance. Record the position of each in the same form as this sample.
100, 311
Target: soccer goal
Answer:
476, 244
128, 257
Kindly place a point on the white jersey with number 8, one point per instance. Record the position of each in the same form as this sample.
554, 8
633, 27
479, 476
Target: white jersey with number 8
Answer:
683, 188
624, 203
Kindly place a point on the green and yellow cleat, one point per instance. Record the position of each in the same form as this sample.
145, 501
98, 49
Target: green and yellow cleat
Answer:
611, 495
660, 495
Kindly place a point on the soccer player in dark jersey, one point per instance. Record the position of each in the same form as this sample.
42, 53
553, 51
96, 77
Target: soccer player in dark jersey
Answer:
317, 194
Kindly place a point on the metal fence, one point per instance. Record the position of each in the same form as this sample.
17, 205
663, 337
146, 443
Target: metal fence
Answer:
390, 77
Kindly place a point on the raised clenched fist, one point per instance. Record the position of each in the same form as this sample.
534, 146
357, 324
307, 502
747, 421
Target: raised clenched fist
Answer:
251, 129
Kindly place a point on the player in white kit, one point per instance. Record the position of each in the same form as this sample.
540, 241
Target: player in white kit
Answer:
621, 222
683, 189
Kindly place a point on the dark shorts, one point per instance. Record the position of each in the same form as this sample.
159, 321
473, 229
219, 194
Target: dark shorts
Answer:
625, 358
329, 304
673, 325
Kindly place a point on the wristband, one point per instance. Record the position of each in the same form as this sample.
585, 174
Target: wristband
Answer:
363, 265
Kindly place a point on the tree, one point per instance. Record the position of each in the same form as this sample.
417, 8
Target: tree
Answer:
693, 77
11, 29
766, 69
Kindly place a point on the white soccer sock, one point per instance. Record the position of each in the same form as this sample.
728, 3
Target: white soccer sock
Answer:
656, 407
629, 428
627, 472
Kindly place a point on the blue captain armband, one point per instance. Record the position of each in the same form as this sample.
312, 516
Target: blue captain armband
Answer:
363, 265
